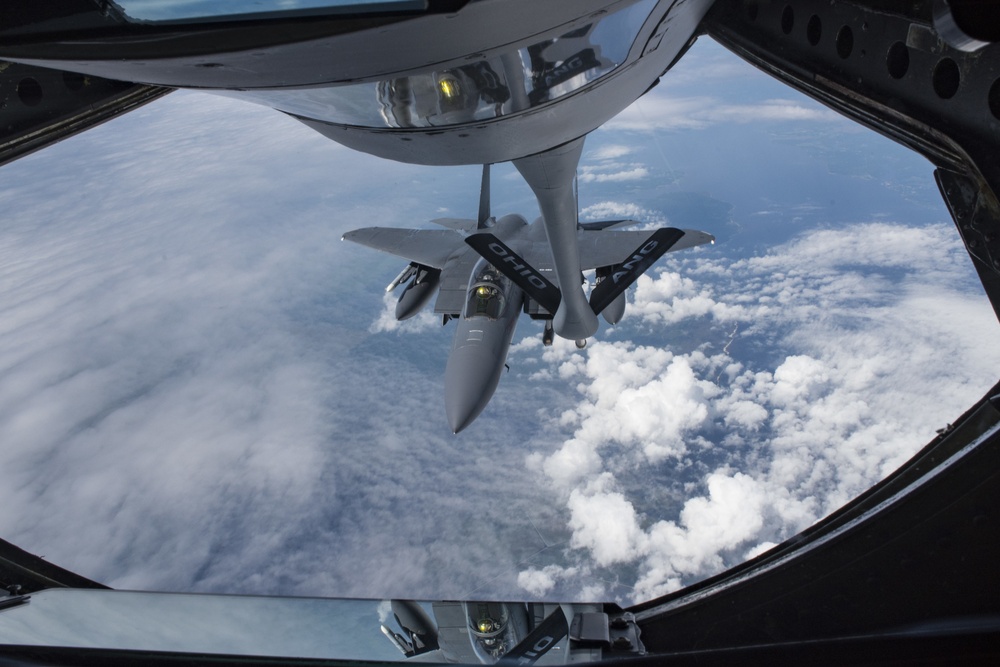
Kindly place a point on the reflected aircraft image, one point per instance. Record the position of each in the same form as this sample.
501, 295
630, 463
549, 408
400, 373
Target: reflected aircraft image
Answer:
488, 270
518, 633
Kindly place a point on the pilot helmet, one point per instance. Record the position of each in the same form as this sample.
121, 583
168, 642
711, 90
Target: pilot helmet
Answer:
488, 626
488, 630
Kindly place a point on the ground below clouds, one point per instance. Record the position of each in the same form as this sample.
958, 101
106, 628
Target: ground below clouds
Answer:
882, 329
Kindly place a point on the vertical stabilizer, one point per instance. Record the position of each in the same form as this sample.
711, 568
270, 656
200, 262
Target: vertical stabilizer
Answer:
484, 199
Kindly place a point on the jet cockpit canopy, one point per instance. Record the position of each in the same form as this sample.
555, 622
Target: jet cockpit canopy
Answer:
488, 292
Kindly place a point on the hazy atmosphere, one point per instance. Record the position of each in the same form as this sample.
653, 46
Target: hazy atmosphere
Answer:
203, 389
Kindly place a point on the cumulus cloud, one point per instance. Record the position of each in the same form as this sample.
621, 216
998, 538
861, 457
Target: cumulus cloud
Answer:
624, 210
539, 582
425, 320
730, 515
605, 523
673, 298
637, 396
863, 315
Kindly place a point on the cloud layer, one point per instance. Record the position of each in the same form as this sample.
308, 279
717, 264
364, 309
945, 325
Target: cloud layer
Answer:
881, 334
191, 396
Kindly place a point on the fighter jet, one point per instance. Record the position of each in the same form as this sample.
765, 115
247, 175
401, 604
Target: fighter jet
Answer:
487, 271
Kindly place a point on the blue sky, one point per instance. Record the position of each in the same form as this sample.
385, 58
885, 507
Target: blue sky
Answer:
202, 388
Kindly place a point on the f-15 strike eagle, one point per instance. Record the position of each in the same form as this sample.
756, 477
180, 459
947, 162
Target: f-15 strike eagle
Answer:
488, 270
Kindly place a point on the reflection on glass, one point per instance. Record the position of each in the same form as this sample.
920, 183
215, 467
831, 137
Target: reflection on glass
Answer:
458, 632
495, 87
496, 628
541, 633
187, 10
220, 624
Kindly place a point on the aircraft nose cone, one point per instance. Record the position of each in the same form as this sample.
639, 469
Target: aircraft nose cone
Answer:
461, 412
470, 379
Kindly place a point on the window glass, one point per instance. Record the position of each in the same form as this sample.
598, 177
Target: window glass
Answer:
487, 292
188, 10
510, 83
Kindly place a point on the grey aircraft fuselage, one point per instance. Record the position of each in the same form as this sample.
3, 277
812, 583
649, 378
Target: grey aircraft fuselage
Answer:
482, 339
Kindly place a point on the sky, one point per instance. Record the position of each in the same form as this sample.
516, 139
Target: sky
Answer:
203, 389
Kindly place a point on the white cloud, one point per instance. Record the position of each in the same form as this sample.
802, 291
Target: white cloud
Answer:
605, 523
539, 582
612, 173
768, 110
643, 398
867, 315
620, 210
386, 321
575, 460
758, 550
730, 515
611, 152
671, 298
662, 110
605, 165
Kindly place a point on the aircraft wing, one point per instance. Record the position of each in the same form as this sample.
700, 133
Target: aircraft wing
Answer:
608, 224
460, 224
430, 247
606, 248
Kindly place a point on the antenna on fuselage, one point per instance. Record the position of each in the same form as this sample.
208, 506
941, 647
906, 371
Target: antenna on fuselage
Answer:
485, 220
